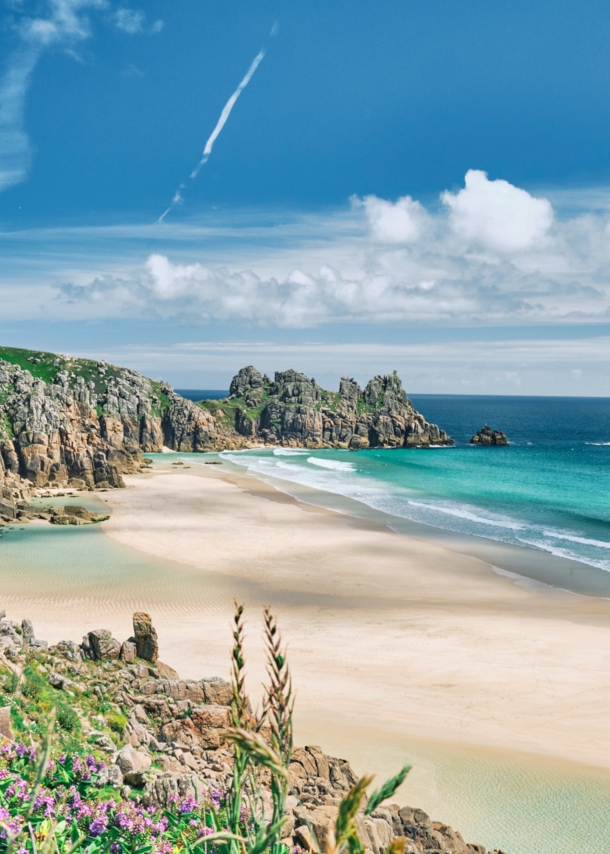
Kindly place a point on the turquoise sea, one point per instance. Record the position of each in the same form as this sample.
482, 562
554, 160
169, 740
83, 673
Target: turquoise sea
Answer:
546, 495
540, 508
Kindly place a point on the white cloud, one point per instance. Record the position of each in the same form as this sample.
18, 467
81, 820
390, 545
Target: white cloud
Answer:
14, 143
65, 24
302, 272
496, 214
393, 222
129, 21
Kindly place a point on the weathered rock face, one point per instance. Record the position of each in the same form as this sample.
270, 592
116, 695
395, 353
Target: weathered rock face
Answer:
74, 422
487, 436
173, 744
294, 410
77, 422
146, 636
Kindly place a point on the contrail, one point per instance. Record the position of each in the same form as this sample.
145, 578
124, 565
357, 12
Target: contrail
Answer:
219, 126
227, 112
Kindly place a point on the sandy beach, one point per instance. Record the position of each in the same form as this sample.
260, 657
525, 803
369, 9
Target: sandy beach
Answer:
401, 649
383, 630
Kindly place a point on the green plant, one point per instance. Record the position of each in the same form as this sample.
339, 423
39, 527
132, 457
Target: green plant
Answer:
33, 685
254, 754
38, 797
11, 683
67, 718
117, 721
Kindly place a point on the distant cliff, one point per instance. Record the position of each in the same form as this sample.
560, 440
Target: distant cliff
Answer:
294, 410
85, 423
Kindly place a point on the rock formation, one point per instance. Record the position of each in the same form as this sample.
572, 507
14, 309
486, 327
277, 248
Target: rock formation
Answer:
75, 422
163, 738
487, 436
294, 410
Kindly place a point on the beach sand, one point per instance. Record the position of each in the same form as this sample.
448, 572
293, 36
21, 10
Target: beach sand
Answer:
383, 629
394, 642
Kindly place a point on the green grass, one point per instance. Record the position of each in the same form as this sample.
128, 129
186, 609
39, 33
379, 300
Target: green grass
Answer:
225, 411
51, 364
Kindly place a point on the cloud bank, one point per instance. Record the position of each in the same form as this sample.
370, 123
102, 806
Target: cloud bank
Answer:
562, 367
492, 254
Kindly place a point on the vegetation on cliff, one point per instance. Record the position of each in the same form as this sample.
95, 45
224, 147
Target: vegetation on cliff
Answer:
83, 423
294, 410
142, 762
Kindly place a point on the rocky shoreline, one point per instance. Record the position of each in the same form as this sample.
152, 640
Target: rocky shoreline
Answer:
163, 737
78, 423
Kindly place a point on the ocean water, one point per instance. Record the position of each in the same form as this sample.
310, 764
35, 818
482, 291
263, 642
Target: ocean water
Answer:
546, 496
547, 493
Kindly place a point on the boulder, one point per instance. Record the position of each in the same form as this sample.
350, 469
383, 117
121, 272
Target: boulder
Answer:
110, 776
166, 672
487, 436
80, 512
203, 728
217, 692
146, 636
129, 651
133, 765
164, 788
27, 630
103, 645
68, 649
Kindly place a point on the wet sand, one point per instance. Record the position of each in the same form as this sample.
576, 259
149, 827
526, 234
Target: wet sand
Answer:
401, 649
383, 628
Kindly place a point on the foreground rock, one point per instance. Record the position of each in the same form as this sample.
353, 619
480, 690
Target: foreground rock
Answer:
487, 436
165, 736
295, 411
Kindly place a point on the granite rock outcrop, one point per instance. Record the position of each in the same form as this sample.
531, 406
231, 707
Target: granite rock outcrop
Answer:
487, 436
84, 423
68, 422
173, 739
293, 410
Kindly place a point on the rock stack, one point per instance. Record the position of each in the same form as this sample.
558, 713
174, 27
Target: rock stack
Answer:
487, 436
295, 411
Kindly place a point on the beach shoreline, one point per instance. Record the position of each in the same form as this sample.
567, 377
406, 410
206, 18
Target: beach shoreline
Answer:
459, 649
401, 650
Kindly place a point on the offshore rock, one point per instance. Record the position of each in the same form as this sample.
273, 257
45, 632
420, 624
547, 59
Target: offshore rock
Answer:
295, 411
487, 436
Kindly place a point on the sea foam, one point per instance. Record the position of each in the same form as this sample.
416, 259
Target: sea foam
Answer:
335, 465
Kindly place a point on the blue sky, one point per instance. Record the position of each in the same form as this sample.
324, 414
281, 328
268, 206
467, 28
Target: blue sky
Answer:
417, 184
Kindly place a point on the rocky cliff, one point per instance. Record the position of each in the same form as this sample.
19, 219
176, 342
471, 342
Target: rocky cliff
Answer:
85, 423
293, 410
82, 423
156, 738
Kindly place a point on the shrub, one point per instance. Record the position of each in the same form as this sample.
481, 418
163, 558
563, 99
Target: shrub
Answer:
60, 803
116, 721
33, 686
11, 683
67, 718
